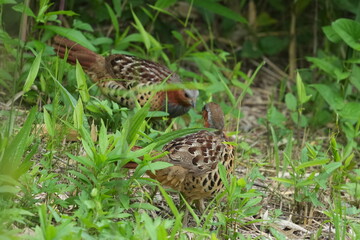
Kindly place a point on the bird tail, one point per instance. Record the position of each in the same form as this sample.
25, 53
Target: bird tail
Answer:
130, 165
85, 56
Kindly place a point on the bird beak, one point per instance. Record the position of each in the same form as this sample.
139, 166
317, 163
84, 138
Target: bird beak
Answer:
193, 103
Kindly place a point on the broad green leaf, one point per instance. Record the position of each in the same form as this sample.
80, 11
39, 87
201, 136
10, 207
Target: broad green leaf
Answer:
83, 26
312, 164
332, 66
8, 189
351, 110
349, 31
24, 9
71, 34
252, 202
7, 2
355, 76
332, 167
275, 117
32, 73
290, 101
81, 83
80, 176
48, 123
283, 180
331, 95
220, 10
156, 166
331, 34
301, 91
223, 175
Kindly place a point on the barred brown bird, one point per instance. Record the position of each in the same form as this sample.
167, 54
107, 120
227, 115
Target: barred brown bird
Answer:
118, 72
195, 159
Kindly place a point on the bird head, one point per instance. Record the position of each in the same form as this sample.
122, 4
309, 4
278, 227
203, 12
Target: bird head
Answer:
213, 116
190, 97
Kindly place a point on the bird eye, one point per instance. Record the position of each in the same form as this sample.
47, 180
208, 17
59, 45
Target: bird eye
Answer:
187, 95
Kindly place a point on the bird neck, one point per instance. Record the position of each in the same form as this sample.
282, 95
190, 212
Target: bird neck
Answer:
177, 97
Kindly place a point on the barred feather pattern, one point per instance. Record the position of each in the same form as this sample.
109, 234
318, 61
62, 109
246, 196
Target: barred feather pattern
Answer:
196, 158
126, 79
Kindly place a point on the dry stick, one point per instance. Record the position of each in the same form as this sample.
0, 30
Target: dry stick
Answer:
315, 29
292, 45
24, 23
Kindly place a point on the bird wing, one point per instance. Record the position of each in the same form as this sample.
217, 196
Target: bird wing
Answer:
138, 71
198, 153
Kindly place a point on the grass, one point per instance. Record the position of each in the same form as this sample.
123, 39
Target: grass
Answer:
62, 145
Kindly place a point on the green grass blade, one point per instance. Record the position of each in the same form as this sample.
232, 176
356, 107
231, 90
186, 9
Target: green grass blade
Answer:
48, 123
15, 150
81, 83
142, 31
32, 73
114, 20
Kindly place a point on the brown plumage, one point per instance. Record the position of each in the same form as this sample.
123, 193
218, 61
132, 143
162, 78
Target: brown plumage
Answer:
117, 75
195, 159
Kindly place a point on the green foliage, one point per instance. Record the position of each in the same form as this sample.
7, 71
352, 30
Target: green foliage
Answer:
64, 187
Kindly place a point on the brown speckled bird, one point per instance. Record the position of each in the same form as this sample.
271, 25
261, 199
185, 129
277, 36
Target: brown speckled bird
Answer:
195, 159
117, 73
